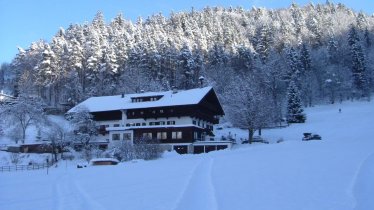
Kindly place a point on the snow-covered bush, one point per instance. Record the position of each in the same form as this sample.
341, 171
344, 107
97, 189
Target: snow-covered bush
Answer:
15, 158
146, 149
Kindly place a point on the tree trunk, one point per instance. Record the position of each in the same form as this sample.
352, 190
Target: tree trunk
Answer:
250, 135
23, 135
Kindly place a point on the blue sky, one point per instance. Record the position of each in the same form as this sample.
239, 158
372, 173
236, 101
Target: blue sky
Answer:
25, 21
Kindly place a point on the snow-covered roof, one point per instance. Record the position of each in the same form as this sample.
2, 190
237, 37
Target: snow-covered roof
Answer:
117, 102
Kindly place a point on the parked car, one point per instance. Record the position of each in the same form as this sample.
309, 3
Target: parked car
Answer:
311, 136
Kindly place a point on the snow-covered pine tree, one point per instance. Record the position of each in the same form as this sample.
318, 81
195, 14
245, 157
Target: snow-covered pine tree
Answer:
359, 74
216, 34
264, 42
294, 72
294, 108
307, 75
187, 67
367, 38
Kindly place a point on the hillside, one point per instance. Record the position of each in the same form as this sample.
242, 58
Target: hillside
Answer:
334, 173
325, 48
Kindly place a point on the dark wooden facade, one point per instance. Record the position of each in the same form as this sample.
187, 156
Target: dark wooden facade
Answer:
108, 115
187, 134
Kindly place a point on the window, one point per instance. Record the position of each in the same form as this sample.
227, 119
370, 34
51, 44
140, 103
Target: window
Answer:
151, 123
116, 125
147, 135
153, 111
161, 135
176, 135
194, 122
137, 124
171, 122
127, 136
102, 127
162, 122
161, 111
116, 136
144, 124
141, 112
128, 125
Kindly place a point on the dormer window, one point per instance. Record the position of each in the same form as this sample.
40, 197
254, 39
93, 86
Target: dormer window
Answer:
145, 98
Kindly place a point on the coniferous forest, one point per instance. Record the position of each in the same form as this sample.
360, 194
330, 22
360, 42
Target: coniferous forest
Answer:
322, 52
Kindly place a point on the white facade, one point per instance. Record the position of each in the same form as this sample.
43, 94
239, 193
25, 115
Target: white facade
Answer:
120, 131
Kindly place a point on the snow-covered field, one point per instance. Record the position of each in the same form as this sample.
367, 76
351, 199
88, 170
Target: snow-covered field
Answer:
335, 173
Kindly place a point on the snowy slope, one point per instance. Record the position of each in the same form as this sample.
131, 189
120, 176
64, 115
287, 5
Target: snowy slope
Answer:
335, 173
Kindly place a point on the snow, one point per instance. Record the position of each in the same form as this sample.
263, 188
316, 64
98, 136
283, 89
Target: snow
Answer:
32, 131
109, 103
334, 173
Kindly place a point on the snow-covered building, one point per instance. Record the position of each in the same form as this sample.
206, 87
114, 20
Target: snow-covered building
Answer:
180, 120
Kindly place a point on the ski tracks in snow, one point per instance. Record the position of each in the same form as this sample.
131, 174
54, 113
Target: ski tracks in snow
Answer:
363, 185
199, 190
70, 195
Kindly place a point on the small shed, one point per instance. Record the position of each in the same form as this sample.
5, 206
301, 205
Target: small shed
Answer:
103, 161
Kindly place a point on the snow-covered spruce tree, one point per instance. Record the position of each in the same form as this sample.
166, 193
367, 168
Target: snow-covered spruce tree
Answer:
293, 74
4, 69
307, 75
359, 74
216, 34
48, 74
1, 131
294, 108
263, 42
187, 67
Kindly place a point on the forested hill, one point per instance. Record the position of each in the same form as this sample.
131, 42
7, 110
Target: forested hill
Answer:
325, 49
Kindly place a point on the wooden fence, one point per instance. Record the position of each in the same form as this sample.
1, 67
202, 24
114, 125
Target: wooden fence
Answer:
24, 167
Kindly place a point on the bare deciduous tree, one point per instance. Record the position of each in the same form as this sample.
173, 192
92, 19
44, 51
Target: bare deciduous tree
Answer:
25, 111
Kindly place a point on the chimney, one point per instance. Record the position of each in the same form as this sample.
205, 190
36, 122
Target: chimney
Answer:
122, 95
201, 79
141, 91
